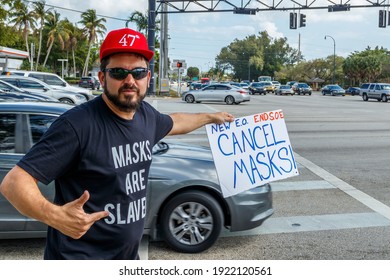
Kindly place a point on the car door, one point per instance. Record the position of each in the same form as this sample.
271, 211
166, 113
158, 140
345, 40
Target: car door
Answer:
371, 91
26, 130
207, 93
12, 127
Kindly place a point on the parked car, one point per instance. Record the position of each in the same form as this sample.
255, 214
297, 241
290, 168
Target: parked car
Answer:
37, 86
301, 88
378, 91
53, 80
217, 93
9, 91
284, 90
182, 178
333, 90
89, 82
352, 91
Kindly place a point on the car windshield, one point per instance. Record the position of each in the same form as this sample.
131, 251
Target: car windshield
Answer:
335, 87
387, 86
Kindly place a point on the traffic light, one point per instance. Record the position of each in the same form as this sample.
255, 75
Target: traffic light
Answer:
382, 18
179, 64
293, 20
302, 20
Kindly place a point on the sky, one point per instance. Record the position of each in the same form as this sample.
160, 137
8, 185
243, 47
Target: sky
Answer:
198, 38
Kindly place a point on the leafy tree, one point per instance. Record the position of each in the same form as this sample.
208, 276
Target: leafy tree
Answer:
192, 72
23, 20
93, 26
55, 30
255, 56
40, 13
366, 66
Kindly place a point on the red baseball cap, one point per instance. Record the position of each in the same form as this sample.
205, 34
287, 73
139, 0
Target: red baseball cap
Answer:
125, 40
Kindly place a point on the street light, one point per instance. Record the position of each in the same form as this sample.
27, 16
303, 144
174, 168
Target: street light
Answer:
334, 56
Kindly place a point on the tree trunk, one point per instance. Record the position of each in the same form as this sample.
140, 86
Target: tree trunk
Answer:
47, 55
85, 70
39, 49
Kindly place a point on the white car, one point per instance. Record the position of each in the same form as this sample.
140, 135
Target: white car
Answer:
53, 80
37, 86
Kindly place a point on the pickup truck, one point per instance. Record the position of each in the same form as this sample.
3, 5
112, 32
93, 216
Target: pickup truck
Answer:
378, 91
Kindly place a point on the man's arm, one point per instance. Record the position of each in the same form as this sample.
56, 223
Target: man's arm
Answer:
187, 122
21, 189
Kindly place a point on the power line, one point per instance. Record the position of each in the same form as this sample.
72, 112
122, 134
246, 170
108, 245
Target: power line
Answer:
77, 11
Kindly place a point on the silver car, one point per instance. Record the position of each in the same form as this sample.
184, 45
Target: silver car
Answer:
36, 86
229, 94
185, 203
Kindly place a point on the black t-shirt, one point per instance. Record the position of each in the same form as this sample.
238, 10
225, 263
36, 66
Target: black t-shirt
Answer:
91, 148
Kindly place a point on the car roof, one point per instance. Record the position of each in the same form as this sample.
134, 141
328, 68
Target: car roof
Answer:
34, 106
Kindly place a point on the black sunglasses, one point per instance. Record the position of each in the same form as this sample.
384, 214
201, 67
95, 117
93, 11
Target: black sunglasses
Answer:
121, 73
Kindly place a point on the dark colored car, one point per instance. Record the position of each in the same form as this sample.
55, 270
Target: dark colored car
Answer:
352, 91
185, 202
89, 82
257, 87
333, 90
302, 88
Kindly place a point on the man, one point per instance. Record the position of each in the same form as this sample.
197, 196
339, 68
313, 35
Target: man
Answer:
99, 155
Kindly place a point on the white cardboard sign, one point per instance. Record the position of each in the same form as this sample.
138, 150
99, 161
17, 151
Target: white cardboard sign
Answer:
251, 151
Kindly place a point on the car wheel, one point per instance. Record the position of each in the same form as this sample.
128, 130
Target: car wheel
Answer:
66, 100
191, 222
229, 100
189, 98
384, 98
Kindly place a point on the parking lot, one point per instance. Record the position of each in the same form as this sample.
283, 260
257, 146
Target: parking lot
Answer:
337, 208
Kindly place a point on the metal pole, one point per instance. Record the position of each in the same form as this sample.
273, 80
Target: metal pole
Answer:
334, 57
151, 36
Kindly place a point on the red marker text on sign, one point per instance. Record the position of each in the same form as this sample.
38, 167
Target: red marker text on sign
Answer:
268, 116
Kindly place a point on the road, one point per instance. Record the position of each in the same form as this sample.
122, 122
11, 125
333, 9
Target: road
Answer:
337, 208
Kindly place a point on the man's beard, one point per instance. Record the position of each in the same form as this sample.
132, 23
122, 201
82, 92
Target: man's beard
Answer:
126, 104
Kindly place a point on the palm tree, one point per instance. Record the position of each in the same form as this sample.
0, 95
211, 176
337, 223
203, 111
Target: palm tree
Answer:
93, 26
141, 22
40, 14
23, 20
75, 35
56, 30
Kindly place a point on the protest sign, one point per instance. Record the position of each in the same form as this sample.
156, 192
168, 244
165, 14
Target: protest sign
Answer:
251, 151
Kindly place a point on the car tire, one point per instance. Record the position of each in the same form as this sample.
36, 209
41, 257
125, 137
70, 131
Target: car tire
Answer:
191, 222
229, 100
66, 100
189, 98
365, 97
384, 98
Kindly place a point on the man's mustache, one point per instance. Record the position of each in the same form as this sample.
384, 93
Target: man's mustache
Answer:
128, 87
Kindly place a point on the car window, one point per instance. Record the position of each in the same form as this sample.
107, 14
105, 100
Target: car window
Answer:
53, 80
372, 86
18, 132
39, 124
377, 87
7, 133
36, 76
386, 86
30, 84
12, 81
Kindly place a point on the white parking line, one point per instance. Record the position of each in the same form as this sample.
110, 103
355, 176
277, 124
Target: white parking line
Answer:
360, 196
314, 223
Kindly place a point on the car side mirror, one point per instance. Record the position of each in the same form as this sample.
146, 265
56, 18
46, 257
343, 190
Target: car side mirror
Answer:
45, 88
